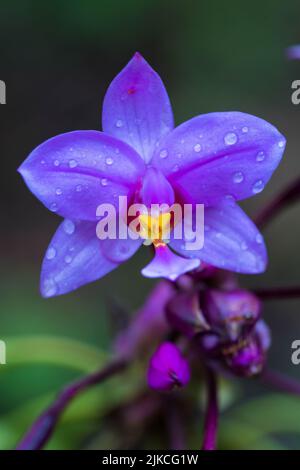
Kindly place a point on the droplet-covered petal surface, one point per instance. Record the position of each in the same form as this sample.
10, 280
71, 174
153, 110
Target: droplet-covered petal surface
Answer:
219, 155
231, 241
136, 107
76, 257
73, 173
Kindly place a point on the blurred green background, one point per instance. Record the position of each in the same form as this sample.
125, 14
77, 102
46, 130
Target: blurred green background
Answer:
57, 59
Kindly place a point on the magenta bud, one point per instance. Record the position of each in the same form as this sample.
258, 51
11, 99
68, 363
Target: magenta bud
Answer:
184, 314
231, 313
168, 368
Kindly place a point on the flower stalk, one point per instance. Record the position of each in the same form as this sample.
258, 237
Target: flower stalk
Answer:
42, 429
212, 412
289, 195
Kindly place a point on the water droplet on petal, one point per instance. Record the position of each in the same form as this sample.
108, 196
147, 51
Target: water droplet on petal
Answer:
104, 182
109, 161
163, 153
238, 177
230, 138
56, 162
51, 253
68, 259
78, 188
69, 226
244, 246
260, 157
258, 187
259, 239
245, 130
72, 163
197, 148
49, 287
119, 123
53, 207
58, 191
281, 144
43, 162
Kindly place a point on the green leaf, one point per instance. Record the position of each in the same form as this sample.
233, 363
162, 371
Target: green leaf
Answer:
64, 352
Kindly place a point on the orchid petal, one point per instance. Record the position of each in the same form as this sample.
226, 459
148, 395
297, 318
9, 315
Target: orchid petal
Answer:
73, 173
220, 155
76, 256
168, 265
231, 241
136, 107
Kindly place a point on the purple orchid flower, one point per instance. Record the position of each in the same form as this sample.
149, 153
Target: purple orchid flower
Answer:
213, 159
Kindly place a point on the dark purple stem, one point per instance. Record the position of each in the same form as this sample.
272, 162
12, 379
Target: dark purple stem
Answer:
287, 196
212, 412
175, 424
42, 429
278, 293
281, 382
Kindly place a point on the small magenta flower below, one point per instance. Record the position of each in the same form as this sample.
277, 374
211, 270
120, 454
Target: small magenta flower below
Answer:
168, 368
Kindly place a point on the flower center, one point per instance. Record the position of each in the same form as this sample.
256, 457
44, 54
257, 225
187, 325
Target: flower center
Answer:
155, 228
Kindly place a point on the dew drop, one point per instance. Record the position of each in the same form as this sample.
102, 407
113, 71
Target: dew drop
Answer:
43, 162
69, 226
230, 198
281, 144
109, 161
78, 188
197, 148
258, 187
104, 182
68, 259
53, 207
72, 163
238, 177
119, 123
58, 191
230, 138
259, 239
49, 288
51, 253
163, 153
56, 162
245, 130
244, 246
260, 157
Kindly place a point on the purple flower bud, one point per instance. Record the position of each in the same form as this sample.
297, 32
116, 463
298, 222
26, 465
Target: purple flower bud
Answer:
184, 314
232, 314
168, 368
247, 357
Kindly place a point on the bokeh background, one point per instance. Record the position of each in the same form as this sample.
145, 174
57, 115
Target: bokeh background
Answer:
57, 59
